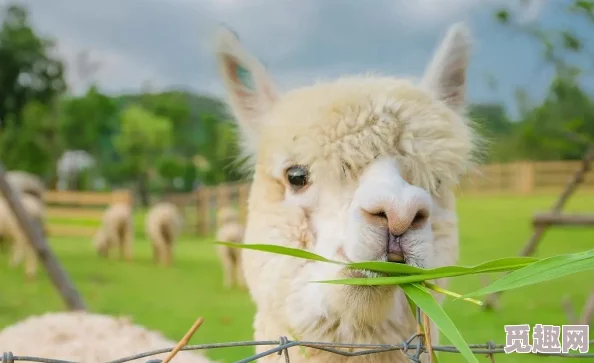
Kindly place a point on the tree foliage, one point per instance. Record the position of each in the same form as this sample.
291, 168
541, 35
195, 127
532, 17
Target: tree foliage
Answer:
29, 71
155, 140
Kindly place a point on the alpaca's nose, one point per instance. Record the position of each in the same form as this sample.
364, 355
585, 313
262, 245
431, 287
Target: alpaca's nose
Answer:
411, 213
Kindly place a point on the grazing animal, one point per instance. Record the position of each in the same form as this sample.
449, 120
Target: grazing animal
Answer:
163, 225
116, 231
10, 229
357, 169
87, 337
230, 230
27, 183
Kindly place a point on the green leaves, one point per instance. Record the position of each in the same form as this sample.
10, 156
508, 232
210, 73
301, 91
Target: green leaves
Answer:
424, 300
400, 273
281, 250
539, 271
413, 280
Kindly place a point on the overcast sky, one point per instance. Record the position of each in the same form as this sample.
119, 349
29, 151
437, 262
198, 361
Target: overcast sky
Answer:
169, 42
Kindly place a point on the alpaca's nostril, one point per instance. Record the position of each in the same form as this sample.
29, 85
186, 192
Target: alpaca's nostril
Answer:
419, 219
381, 215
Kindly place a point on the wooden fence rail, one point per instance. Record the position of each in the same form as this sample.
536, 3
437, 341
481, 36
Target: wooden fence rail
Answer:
78, 214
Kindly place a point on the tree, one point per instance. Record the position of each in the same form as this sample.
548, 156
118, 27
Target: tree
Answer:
218, 151
29, 73
36, 145
562, 125
85, 120
170, 167
143, 137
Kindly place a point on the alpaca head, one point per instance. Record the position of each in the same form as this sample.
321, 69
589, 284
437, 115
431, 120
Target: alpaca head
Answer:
360, 168
101, 242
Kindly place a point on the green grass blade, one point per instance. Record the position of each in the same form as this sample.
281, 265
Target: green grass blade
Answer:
423, 298
280, 250
397, 280
499, 265
543, 270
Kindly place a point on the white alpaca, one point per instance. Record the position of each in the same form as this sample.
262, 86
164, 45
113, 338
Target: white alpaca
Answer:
27, 183
163, 224
11, 230
87, 337
116, 231
230, 230
357, 169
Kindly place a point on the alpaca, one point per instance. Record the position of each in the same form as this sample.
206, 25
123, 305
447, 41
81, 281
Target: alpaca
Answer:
230, 230
10, 229
24, 182
163, 224
87, 337
116, 231
357, 169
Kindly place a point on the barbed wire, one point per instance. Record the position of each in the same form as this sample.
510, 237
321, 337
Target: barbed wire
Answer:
283, 344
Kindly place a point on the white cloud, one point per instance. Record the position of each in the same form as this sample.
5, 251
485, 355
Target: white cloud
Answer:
169, 42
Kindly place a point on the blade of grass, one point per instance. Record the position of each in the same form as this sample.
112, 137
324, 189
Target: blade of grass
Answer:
280, 250
543, 270
423, 298
498, 265
394, 280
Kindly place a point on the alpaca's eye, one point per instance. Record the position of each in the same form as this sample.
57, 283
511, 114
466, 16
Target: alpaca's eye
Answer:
297, 177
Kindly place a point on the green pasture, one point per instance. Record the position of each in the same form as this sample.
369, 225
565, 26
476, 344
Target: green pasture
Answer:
170, 300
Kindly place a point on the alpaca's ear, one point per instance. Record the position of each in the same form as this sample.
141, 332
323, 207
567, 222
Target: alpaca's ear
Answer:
250, 90
445, 75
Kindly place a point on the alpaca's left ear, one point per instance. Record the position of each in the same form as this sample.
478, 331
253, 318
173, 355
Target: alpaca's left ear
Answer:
445, 76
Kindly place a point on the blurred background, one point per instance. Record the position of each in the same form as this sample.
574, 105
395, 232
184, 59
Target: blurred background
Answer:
120, 100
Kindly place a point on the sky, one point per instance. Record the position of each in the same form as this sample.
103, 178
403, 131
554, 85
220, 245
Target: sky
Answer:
169, 43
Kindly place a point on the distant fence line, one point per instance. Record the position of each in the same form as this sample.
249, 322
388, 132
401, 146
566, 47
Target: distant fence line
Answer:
199, 208
76, 213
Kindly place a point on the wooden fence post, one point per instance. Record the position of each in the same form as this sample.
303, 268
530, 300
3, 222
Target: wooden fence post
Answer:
524, 177
203, 210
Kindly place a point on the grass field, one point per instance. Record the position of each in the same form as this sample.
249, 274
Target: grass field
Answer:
170, 300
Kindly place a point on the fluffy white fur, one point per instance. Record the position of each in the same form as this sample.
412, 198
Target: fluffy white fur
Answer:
116, 231
230, 230
10, 230
382, 156
87, 337
163, 225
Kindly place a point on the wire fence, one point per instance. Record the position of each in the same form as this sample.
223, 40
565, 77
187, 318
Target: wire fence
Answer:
411, 349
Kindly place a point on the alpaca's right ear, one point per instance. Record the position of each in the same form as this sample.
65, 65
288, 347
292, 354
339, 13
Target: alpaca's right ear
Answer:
250, 90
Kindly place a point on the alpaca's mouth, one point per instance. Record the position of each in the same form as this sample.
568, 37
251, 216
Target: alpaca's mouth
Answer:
396, 258
394, 250
363, 273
